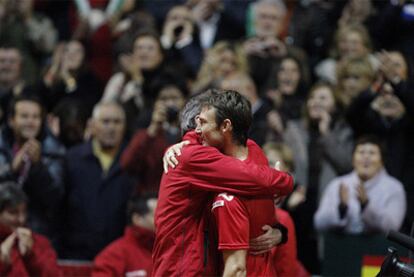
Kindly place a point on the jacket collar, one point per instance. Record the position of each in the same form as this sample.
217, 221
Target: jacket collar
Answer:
86, 153
141, 236
87, 150
192, 136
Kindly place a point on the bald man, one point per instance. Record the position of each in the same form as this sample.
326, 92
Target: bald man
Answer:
97, 189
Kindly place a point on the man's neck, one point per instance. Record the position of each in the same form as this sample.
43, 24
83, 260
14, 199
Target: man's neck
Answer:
237, 151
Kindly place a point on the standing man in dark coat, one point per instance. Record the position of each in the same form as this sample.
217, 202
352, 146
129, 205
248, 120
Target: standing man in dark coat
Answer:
97, 188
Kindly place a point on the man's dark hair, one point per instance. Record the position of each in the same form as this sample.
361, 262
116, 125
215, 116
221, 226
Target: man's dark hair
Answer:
139, 204
11, 195
371, 139
230, 104
25, 97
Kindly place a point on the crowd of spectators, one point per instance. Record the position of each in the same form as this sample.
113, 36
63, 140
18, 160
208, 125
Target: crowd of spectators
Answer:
91, 91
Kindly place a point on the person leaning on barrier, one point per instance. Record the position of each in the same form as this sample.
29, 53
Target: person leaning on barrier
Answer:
367, 200
22, 251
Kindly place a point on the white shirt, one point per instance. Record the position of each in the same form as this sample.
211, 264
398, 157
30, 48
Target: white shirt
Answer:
385, 209
208, 30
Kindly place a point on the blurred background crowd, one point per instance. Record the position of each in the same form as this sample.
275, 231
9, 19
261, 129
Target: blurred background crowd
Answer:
91, 91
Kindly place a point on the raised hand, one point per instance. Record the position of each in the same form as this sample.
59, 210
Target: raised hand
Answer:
25, 240
362, 194
324, 122
33, 150
6, 247
297, 197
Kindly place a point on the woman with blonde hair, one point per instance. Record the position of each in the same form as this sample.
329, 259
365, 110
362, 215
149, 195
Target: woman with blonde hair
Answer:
222, 60
351, 41
322, 144
354, 75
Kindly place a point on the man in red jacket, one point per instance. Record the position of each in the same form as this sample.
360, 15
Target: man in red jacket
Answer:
185, 192
22, 252
239, 219
130, 255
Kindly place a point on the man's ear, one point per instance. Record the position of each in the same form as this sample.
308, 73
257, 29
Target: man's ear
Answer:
227, 126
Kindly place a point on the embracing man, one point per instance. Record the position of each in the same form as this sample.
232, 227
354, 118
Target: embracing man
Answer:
186, 193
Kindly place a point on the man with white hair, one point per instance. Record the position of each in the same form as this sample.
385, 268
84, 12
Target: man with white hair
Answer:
264, 46
268, 17
97, 188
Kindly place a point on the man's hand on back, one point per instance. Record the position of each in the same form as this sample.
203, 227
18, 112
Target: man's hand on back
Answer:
265, 242
170, 156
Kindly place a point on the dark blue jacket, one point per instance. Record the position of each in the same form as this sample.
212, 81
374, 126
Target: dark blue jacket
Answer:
94, 210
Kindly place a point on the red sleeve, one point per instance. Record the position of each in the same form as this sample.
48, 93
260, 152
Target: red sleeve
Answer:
213, 171
285, 255
232, 222
42, 260
257, 153
110, 262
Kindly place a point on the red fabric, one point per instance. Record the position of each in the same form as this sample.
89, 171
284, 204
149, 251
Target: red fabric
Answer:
261, 212
71, 268
41, 261
143, 159
239, 220
285, 256
127, 256
232, 222
184, 194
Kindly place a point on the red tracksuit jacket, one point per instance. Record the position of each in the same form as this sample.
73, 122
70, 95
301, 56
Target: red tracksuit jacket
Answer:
41, 261
184, 193
129, 255
240, 219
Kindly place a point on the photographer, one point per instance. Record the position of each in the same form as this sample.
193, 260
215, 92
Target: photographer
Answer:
178, 28
265, 47
143, 156
178, 38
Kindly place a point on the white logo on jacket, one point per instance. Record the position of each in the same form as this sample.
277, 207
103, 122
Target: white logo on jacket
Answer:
136, 273
220, 203
226, 196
